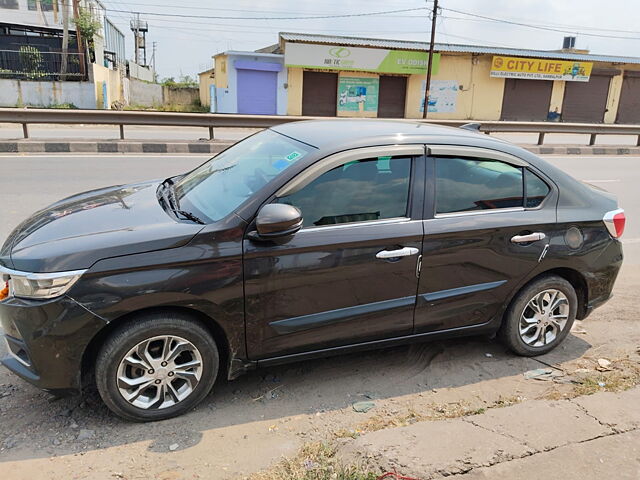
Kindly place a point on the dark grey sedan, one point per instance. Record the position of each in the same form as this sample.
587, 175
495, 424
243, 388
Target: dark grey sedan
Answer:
305, 240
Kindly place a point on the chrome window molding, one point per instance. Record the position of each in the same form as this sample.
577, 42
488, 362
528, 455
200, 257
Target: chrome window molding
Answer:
332, 161
358, 224
479, 212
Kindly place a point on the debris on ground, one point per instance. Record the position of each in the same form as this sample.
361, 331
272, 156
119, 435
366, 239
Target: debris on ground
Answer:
604, 365
86, 434
173, 447
578, 328
543, 374
488, 355
363, 407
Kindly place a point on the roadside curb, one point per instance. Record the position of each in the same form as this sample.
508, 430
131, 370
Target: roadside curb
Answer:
200, 147
112, 146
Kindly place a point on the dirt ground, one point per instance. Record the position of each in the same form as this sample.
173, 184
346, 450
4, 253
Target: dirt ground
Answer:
249, 424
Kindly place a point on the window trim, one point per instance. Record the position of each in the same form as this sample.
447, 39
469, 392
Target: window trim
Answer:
308, 175
475, 152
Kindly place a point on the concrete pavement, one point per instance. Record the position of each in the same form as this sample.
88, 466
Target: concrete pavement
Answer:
587, 437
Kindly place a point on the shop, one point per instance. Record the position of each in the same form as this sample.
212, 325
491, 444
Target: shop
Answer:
351, 81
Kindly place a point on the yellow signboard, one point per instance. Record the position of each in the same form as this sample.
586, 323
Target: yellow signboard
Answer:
540, 69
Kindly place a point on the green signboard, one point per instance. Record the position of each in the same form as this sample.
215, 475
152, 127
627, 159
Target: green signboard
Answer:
331, 57
358, 94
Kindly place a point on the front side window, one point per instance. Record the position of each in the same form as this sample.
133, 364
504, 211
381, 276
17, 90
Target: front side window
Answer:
464, 184
362, 190
219, 186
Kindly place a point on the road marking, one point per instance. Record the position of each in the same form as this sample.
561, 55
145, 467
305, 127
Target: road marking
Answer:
630, 240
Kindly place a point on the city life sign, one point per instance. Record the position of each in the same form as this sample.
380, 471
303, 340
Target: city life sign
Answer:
332, 57
540, 69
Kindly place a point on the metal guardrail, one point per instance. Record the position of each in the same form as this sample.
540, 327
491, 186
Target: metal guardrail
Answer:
210, 121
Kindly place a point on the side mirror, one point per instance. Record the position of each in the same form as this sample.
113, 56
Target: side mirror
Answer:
277, 220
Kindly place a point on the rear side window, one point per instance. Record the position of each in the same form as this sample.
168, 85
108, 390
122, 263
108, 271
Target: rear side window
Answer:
536, 189
362, 190
464, 184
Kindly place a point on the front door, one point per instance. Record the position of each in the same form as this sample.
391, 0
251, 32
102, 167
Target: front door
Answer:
491, 220
349, 275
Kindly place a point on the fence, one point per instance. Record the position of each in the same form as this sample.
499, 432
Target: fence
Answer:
211, 121
29, 63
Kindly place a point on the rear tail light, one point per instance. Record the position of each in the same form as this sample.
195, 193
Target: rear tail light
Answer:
614, 221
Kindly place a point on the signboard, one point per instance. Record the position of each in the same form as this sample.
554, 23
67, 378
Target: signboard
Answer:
332, 57
540, 69
358, 94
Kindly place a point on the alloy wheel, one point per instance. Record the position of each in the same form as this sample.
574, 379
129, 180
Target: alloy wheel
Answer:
159, 372
544, 317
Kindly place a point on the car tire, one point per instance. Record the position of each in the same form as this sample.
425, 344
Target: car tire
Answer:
134, 355
530, 327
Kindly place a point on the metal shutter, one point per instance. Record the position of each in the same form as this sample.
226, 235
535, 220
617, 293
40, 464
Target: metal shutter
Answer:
257, 91
586, 102
319, 93
629, 106
526, 100
392, 96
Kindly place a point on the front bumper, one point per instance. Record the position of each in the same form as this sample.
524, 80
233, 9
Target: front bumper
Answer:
46, 340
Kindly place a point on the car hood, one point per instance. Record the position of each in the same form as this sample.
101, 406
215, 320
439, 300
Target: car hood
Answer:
76, 232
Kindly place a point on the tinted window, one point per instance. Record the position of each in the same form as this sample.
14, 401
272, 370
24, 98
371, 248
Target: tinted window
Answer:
358, 191
464, 185
536, 189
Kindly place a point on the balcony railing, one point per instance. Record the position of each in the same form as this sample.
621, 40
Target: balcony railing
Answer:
29, 63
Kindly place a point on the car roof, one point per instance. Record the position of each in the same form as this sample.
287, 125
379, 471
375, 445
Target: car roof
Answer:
339, 134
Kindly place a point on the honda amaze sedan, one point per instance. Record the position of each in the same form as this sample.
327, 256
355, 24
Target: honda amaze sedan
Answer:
305, 240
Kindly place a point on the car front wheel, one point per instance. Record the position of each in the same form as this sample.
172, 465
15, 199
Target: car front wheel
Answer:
540, 316
156, 367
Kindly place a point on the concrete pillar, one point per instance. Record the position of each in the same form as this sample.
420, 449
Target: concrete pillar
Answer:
613, 98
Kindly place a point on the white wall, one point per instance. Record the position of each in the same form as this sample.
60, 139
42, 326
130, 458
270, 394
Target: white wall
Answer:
21, 93
145, 94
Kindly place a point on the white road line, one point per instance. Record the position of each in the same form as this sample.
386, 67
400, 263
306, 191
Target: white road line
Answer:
602, 181
630, 240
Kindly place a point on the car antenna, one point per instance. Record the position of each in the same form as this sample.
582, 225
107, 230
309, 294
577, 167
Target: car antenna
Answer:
474, 127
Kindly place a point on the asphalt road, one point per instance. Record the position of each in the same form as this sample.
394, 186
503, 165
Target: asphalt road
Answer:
94, 132
30, 182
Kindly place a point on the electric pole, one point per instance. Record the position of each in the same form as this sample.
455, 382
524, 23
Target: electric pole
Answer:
430, 59
79, 39
65, 40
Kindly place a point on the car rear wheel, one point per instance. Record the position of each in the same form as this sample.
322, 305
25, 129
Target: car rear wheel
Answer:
540, 316
156, 367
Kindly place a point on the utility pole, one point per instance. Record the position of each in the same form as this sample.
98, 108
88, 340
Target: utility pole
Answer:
430, 59
153, 55
79, 39
65, 40
137, 35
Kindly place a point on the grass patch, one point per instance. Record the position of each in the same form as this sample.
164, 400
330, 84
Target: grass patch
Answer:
624, 374
172, 107
314, 461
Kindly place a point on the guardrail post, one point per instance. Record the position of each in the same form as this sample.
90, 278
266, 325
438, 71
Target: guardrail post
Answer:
121, 132
210, 133
592, 139
638, 142
25, 130
541, 138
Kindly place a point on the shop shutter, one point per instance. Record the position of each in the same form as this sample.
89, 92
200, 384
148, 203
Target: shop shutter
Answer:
526, 100
586, 102
392, 96
257, 91
629, 106
319, 93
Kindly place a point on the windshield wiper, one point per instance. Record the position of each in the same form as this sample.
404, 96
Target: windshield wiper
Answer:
169, 196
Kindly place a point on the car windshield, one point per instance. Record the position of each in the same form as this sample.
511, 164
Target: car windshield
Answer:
219, 186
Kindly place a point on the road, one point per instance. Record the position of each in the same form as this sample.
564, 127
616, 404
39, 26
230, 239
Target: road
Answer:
246, 425
95, 132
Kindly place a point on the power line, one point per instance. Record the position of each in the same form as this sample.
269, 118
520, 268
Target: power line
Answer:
314, 17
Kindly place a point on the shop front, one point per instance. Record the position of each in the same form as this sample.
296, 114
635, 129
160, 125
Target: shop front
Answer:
350, 81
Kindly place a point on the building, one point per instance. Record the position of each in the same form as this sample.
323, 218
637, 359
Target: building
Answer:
363, 77
206, 83
249, 82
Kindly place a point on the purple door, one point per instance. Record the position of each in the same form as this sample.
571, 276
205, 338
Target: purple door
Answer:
257, 91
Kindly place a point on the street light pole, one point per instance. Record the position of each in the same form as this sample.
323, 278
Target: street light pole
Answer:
430, 59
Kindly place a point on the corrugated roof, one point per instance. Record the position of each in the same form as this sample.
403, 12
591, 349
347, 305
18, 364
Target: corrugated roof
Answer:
452, 47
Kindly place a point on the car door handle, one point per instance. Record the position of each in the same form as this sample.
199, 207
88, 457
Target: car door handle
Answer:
403, 252
532, 237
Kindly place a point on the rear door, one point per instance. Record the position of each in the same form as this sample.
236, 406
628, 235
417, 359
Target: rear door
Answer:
349, 275
488, 219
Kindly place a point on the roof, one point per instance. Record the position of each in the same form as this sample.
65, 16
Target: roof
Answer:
250, 54
452, 48
339, 133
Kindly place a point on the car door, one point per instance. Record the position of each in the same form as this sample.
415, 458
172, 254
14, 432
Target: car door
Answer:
349, 275
488, 221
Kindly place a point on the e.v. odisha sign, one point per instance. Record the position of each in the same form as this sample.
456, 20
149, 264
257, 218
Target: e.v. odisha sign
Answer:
540, 69
332, 57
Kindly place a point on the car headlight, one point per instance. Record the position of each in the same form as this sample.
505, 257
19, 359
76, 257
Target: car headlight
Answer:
39, 285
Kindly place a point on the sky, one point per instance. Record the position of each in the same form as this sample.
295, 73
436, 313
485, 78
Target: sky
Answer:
185, 45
